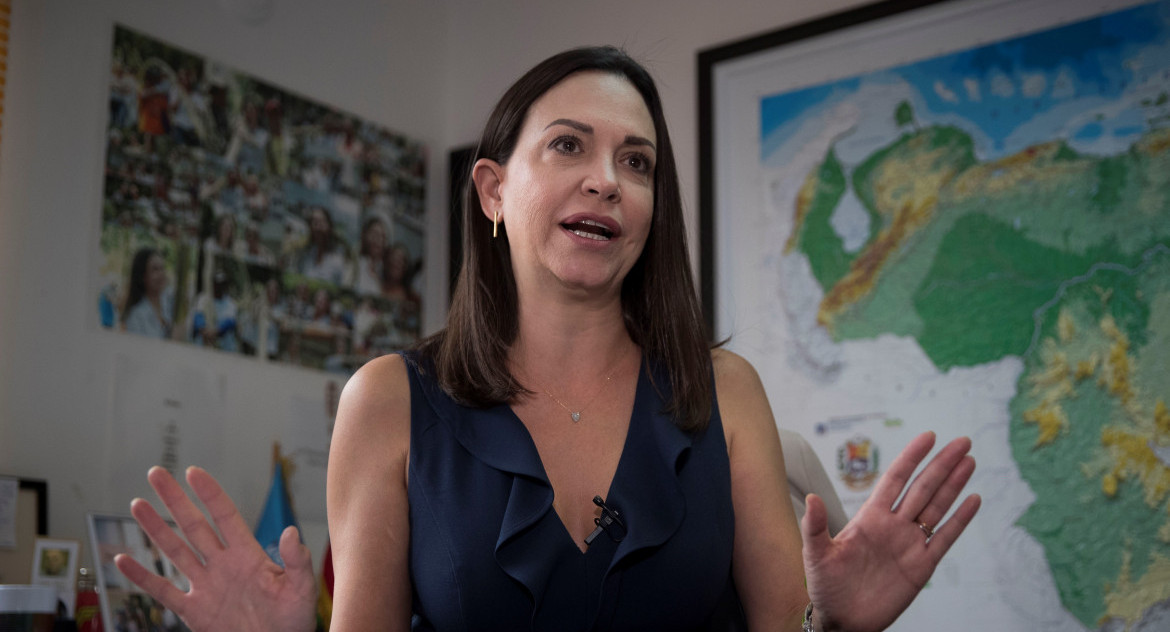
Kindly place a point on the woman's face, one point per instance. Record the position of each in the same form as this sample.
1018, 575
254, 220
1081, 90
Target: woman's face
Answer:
578, 192
396, 261
375, 240
318, 225
156, 275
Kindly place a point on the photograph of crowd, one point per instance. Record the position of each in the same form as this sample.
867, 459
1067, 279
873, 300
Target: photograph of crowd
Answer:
241, 217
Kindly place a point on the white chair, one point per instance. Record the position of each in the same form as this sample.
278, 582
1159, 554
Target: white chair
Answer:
806, 475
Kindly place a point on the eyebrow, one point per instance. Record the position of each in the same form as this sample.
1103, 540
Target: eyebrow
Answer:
585, 128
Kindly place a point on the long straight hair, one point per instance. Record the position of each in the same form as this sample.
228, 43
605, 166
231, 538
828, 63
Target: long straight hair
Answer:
137, 289
659, 305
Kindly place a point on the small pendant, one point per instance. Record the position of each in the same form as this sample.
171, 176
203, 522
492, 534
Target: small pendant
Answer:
576, 416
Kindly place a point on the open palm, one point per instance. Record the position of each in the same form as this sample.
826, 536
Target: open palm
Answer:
865, 577
234, 584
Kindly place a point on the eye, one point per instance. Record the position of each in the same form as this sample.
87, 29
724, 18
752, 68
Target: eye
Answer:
639, 162
566, 145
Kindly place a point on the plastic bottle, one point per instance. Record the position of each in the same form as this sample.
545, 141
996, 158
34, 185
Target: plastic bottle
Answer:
88, 611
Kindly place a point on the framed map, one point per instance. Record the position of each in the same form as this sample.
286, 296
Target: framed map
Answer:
955, 216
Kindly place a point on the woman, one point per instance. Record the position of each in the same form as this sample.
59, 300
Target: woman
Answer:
370, 257
463, 477
322, 257
150, 307
251, 249
224, 239
398, 278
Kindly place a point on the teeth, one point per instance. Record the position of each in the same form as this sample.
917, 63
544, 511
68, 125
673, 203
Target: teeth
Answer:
605, 233
586, 235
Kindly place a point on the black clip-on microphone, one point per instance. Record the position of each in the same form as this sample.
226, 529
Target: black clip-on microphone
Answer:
609, 518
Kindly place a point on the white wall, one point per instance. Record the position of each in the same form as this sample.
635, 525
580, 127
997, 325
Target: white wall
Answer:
429, 70
492, 43
375, 59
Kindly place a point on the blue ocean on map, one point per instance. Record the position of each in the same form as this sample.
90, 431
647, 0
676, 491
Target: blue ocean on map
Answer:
1083, 82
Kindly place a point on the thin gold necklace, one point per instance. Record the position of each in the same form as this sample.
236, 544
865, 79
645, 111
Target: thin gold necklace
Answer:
575, 415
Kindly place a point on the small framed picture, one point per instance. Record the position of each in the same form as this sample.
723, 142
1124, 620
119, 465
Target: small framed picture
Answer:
125, 606
55, 564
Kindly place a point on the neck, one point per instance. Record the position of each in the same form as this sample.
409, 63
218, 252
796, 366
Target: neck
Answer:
569, 345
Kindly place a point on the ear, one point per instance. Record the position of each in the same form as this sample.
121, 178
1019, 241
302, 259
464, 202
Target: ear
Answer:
488, 176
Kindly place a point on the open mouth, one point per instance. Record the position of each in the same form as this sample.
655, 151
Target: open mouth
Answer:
589, 229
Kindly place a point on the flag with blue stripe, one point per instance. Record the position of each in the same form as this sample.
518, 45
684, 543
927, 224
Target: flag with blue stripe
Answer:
278, 511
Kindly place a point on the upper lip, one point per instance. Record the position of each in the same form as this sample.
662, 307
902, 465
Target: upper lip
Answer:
609, 223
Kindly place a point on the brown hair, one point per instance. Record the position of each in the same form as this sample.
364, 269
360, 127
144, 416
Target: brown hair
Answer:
137, 280
661, 310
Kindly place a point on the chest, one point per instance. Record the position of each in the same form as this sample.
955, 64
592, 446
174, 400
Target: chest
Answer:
488, 551
580, 458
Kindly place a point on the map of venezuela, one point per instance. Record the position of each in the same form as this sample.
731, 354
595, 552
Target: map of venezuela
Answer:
1009, 205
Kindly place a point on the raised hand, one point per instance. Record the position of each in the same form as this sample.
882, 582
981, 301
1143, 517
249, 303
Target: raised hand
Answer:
234, 584
865, 577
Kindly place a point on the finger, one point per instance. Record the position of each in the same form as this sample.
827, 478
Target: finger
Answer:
814, 530
940, 504
298, 562
220, 507
950, 531
932, 477
158, 587
164, 536
891, 484
190, 520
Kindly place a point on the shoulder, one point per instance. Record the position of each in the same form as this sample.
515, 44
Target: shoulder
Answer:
375, 405
380, 383
729, 364
735, 377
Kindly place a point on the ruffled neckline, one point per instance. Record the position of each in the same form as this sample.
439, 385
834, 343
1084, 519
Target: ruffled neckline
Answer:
645, 486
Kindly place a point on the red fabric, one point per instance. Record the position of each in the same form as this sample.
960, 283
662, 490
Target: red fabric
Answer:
327, 570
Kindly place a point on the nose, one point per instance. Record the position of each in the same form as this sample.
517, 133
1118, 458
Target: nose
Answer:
602, 182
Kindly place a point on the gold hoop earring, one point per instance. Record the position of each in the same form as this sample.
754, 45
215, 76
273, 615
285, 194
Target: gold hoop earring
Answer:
496, 225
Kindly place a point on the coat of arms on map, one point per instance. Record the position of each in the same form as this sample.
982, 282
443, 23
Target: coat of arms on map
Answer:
857, 463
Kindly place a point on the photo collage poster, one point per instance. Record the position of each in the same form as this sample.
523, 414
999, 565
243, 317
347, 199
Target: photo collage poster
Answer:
239, 216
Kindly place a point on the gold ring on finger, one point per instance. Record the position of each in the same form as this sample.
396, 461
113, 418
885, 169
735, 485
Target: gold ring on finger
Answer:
927, 529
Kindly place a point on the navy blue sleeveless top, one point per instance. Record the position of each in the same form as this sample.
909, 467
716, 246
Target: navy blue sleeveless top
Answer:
489, 552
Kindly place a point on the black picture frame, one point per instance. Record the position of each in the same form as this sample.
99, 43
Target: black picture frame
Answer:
459, 162
30, 507
41, 489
